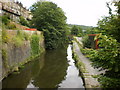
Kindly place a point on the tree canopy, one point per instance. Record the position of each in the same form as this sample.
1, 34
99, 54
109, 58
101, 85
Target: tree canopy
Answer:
76, 30
50, 19
111, 25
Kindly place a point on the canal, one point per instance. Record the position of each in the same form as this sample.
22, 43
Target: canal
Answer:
53, 69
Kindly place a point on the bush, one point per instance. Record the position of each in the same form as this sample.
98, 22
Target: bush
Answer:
108, 82
5, 37
108, 58
86, 41
23, 21
5, 19
109, 55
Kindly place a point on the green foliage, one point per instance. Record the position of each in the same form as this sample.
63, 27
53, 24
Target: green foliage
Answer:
117, 4
6, 22
74, 30
88, 52
17, 41
77, 31
5, 19
111, 25
83, 27
108, 82
11, 26
23, 21
26, 36
35, 44
107, 57
86, 41
5, 37
94, 30
50, 19
4, 58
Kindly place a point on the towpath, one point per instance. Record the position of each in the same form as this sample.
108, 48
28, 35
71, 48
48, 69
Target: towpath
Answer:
90, 82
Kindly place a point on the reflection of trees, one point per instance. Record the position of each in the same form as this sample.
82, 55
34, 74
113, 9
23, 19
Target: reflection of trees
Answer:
37, 66
54, 70
47, 71
22, 80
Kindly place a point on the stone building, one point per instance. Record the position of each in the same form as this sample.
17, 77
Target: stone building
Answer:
14, 10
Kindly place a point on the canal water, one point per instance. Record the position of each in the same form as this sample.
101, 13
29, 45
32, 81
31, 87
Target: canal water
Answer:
53, 69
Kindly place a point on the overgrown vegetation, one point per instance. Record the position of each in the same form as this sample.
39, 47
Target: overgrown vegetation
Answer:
6, 22
4, 58
110, 25
35, 44
24, 22
50, 19
86, 42
77, 31
107, 57
5, 37
17, 39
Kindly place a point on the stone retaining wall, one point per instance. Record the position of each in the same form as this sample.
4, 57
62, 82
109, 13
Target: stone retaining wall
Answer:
13, 57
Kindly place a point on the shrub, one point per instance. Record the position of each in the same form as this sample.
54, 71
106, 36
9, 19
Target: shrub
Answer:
108, 58
108, 82
5, 37
5, 19
86, 41
23, 21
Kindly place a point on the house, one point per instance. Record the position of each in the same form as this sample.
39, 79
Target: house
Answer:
14, 10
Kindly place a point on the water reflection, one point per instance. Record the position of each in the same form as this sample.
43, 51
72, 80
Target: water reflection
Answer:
72, 79
22, 79
54, 69
50, 70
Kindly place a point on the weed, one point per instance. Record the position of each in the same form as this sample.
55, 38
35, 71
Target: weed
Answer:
4, 58
35, 44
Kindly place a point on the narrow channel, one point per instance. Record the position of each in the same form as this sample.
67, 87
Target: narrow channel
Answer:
53, 69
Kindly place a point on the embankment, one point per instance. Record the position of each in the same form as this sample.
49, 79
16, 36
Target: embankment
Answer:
18, 48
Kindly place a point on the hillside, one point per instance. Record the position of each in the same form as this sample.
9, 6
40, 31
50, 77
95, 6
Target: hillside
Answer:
82, 26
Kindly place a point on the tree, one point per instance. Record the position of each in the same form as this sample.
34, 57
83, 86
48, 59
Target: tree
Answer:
23, 21
76, 30
111, 25
50, 19
5, 19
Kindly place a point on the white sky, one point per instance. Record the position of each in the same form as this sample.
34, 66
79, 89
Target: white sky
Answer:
81, 12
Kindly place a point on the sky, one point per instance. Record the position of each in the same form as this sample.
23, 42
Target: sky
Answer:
80, 12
